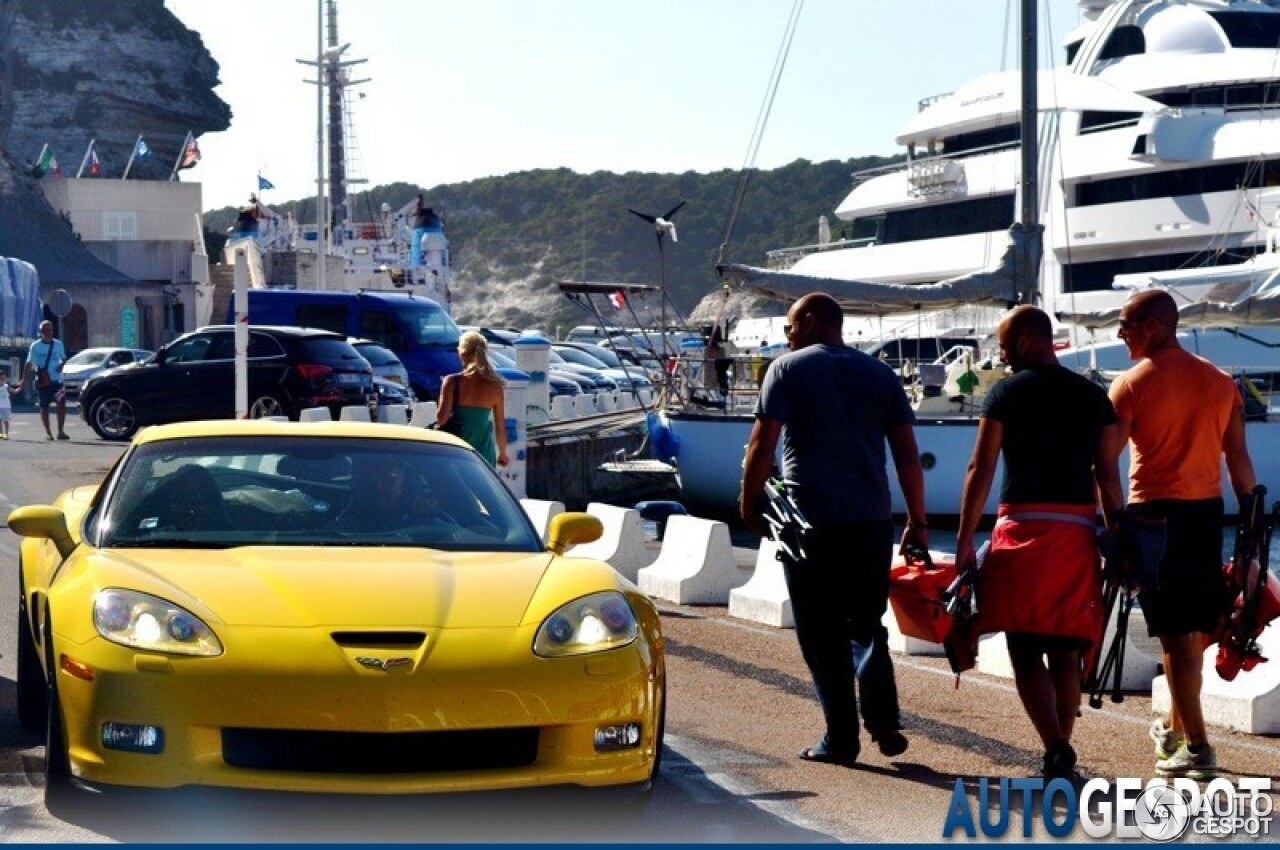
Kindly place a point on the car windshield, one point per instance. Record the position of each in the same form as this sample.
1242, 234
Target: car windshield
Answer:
377, 355
222, 492
89, 357
428, 325
604, 355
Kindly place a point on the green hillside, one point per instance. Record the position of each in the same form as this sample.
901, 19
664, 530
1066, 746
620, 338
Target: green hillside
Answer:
540, 227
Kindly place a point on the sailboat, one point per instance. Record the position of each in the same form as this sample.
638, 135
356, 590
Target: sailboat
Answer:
1162, 152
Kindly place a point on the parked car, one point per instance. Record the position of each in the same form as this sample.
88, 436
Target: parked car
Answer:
389, 393
504, 358
193, 377
89, 362
192, 621
383, 360
606, 362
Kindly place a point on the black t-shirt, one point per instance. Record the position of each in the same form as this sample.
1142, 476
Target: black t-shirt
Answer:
1052, 419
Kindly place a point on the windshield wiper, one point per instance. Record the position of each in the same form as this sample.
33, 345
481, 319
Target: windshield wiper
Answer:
173, 543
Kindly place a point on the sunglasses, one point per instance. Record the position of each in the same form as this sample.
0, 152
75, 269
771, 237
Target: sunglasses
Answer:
1125, 324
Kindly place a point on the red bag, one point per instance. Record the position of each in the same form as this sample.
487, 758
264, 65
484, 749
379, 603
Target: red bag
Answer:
915, 595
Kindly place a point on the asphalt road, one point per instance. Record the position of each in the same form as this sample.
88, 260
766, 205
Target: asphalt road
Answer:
740, 707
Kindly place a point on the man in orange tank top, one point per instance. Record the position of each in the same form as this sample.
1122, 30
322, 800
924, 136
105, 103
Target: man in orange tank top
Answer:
1182, 416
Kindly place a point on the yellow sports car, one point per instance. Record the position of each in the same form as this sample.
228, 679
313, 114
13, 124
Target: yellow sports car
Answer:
326, 607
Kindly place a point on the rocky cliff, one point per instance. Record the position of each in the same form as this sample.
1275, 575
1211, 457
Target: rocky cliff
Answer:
75, 70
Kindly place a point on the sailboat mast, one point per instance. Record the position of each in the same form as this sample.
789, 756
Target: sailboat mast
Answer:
1029, 127
337, 142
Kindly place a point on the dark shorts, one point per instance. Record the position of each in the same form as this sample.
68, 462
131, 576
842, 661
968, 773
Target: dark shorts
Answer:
1033, 644
48, 395
1192, 596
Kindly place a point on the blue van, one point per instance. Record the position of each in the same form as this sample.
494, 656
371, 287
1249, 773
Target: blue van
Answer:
417, 329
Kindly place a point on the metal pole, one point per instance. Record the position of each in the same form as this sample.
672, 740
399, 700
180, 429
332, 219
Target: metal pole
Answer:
1030, 139
240, 300
321, 216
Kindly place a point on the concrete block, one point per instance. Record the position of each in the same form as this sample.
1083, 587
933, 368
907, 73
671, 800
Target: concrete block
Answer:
646, 396
622, 545
626, 401
540, 512
695, 566
354, 413
584, 405
605, 402
315, 414
393, 414
424, 414
906, 645
765, 598
562, 407
1249, 704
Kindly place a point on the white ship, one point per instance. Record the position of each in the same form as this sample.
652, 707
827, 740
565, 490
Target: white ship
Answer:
404, 249
1159, 151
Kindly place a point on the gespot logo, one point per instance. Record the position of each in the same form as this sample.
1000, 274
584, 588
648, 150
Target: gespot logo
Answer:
1158, 810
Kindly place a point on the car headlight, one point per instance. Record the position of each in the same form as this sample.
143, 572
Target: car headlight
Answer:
591, 624
147, 622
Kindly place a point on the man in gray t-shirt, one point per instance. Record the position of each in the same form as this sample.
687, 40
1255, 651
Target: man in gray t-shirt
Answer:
835, 408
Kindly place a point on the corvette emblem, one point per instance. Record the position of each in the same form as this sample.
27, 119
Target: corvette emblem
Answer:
383, 664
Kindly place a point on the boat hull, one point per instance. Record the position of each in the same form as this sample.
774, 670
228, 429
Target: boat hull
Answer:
712, 447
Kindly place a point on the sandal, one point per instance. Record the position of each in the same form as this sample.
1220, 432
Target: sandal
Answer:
820, 753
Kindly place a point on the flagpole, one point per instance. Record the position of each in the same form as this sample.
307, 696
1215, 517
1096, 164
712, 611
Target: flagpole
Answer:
85, 160
40, 158
182, 151
132, 154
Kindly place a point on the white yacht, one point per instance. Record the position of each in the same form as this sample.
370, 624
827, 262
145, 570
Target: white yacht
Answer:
1159, 153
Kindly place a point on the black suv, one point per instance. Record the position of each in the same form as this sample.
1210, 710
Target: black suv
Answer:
193, 377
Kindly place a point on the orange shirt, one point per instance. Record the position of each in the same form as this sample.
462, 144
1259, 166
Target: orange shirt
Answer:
1179, 406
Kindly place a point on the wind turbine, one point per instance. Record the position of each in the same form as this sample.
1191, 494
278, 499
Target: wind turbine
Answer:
662, 225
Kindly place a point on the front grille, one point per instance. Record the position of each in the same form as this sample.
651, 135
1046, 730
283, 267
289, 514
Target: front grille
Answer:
412, 639
379, 752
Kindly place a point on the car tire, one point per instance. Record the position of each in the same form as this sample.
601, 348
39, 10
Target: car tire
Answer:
32, 687
268, 404
113, 418
57, 766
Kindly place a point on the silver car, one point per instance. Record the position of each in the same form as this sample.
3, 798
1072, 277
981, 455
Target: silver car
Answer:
91, 361
383, 360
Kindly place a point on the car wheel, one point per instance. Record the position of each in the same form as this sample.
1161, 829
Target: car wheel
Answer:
266, 405
113, 418
32, 688
57, 767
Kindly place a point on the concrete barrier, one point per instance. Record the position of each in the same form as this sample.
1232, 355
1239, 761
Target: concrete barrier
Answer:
354, 413
605, 402
646, 396
584, 405
626, 401
274, 418
540, 513
765, 598
315, 414
1250, 703
622, 545
424, 414
695, 566
1139, 663
562, 407
393, 414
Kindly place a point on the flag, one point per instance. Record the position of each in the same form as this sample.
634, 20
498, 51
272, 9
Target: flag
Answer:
94, 165
54, 168
43, 162
190, 154
140, 149
264, 184
618, 300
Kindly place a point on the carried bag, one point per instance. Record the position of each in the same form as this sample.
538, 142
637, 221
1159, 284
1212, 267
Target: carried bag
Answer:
43, 381
453, 425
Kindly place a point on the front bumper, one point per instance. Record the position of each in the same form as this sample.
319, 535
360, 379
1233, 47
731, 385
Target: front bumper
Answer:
471, 710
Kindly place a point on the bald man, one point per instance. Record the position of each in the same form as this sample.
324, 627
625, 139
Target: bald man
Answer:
836, 407
1041, 582
1182, 416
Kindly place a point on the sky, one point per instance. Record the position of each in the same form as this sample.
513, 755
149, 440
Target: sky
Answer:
464, 89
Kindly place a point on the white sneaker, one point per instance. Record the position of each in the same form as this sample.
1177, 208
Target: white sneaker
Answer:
1202, 764
1167, 740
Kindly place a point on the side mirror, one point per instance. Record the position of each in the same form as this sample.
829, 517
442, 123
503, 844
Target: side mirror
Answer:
570, 529
44, 521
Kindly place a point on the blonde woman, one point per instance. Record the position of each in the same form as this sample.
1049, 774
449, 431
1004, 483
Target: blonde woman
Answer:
477, 392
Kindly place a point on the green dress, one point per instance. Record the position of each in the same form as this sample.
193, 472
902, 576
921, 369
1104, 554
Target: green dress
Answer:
477, 429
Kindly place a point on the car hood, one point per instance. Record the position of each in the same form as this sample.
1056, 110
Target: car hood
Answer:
300, 587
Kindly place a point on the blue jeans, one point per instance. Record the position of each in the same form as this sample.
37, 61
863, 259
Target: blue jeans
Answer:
839, 594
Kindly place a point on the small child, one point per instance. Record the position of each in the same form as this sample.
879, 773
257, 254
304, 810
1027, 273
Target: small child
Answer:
6, 408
